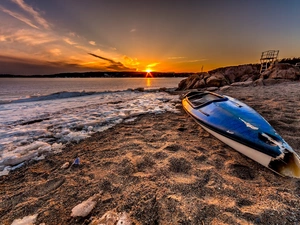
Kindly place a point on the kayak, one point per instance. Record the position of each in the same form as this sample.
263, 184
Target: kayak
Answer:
243, 129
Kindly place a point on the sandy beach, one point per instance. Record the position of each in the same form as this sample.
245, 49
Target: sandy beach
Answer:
164, 169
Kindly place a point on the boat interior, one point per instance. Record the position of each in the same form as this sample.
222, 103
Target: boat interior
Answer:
200, 99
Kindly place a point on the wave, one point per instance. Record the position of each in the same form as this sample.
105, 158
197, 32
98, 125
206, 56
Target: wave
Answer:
66, 94
53, 96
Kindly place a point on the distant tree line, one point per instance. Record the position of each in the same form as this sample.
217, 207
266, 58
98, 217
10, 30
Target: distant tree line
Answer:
102, 74
292, 61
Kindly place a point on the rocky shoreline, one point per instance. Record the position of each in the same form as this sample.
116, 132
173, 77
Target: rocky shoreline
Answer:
243, 75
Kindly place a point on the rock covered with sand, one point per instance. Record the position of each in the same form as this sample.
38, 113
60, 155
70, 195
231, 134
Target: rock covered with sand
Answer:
84, 208
282, 71
27, 220
112, 218
65, 165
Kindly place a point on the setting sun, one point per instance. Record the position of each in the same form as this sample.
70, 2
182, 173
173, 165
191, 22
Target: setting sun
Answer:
148, 70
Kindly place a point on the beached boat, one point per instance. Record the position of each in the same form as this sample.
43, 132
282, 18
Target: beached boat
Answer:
243, 129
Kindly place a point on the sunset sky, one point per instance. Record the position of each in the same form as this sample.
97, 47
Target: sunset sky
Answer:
53, 36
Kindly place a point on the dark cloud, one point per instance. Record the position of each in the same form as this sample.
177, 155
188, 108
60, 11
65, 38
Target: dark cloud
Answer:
21, 66
118, 66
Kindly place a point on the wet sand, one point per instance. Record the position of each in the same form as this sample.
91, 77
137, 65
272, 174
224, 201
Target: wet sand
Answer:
164, 169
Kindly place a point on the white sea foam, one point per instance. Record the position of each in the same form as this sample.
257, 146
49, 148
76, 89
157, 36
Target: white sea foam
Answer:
31, 129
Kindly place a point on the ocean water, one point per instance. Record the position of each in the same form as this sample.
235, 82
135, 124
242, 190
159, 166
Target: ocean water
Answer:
38, 116
20, 88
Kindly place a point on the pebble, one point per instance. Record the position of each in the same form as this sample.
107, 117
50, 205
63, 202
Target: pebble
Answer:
83, 209
27, 220
65, 165
110, 218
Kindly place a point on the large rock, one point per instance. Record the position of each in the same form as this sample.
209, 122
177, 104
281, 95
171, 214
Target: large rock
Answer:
282, 71
216, 80
193, 81
241, 73
220, 77
259, 82
200, 84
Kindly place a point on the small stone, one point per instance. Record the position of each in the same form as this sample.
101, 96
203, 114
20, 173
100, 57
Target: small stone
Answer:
124, 219
27, 220
112, 218
65, 165
109, 218
83, 209
4, 173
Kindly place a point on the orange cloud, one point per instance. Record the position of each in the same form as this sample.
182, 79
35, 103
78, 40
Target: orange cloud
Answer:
55, 51
28, 37
2, 38
176, 57
130, 61
70, 42
152, 64
92, 42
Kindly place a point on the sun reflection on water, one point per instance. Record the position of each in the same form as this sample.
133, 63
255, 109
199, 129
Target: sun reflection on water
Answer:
148, 82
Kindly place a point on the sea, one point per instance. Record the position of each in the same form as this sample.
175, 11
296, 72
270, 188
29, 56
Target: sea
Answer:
39, 116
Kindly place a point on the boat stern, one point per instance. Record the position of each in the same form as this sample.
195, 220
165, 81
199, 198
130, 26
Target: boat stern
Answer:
287, 164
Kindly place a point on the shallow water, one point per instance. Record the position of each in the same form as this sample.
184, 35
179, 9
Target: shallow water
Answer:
20, 88
30, 129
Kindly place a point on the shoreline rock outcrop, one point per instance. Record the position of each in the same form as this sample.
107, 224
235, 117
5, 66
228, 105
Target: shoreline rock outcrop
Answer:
243, 75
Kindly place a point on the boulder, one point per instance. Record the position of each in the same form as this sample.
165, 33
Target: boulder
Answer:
200, 84
241, 73
290, 74
196, 80
192, 80
246, 77
216, 80
259, 82
282, 71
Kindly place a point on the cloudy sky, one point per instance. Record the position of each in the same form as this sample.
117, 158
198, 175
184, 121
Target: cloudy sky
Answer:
45, 37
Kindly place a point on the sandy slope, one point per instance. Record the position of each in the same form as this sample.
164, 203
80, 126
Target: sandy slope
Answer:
164, 169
